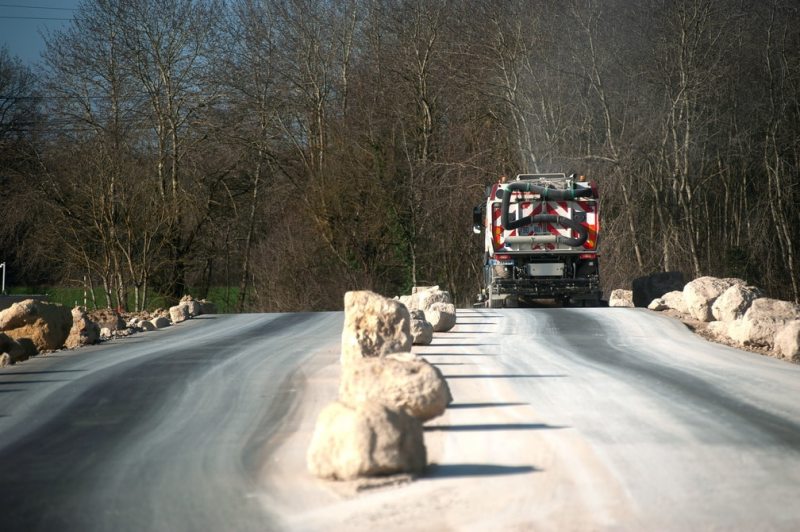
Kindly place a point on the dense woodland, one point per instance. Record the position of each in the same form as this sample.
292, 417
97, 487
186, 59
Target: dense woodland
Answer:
296, 149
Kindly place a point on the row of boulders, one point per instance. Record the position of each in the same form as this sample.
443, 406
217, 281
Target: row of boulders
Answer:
736, 313
30, 327
386, 393
431, 310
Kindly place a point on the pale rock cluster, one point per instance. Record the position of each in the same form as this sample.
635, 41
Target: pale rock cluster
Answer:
31, 327
739, 314
386, 393
432, 310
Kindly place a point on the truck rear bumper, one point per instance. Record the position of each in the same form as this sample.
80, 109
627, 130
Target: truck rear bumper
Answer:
546, 288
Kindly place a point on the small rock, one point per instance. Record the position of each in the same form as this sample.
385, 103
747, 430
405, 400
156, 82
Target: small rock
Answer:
658, 305
442, 316
148, 325
421, 332
365, 441
620, 298
105, 333
161, 322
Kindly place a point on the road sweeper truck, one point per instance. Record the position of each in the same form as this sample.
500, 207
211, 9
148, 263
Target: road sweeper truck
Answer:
541, 236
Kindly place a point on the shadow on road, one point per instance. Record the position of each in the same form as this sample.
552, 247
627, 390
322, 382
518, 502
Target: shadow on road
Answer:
6, 383
474, 470
4, 373
490, 376
494, 426
459, 345
484, 405
456, 355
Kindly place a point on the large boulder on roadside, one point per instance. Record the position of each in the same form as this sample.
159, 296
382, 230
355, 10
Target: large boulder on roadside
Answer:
762, 321
83, 332
107, 318
674, 301
365, 441
179, 313
442, 316
734, 302
374, 326
193, 307
45, 325
421, 332
147, 325
699, 295
650, 287
160, 322
12, 351
400, 381
787, 341
620, 298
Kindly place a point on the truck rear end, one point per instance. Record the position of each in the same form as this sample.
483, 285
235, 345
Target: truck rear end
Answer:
541, 236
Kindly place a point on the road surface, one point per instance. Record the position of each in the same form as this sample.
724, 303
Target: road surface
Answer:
562, 419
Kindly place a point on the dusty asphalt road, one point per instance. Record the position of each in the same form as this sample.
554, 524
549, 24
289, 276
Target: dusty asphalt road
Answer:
578, 419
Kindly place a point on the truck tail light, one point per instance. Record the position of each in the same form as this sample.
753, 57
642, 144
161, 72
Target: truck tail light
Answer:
587, 256
502, 256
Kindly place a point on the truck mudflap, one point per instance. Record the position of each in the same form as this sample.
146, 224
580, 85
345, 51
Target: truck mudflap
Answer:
549, 288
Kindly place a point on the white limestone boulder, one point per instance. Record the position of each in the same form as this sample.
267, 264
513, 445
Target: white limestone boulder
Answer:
787, 341
399, 381
699, 295
674, 301
423, 297
421, 332
762, 321
178, 313
83, 332
374, 326
193, 307
442, 316
365, 441
620, 298
734, 302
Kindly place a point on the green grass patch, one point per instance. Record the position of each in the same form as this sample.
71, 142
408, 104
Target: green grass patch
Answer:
225, 298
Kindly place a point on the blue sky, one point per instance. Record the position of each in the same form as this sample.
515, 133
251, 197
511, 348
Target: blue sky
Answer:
22, 21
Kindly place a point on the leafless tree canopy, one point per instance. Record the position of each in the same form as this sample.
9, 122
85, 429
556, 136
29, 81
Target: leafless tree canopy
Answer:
295, 149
